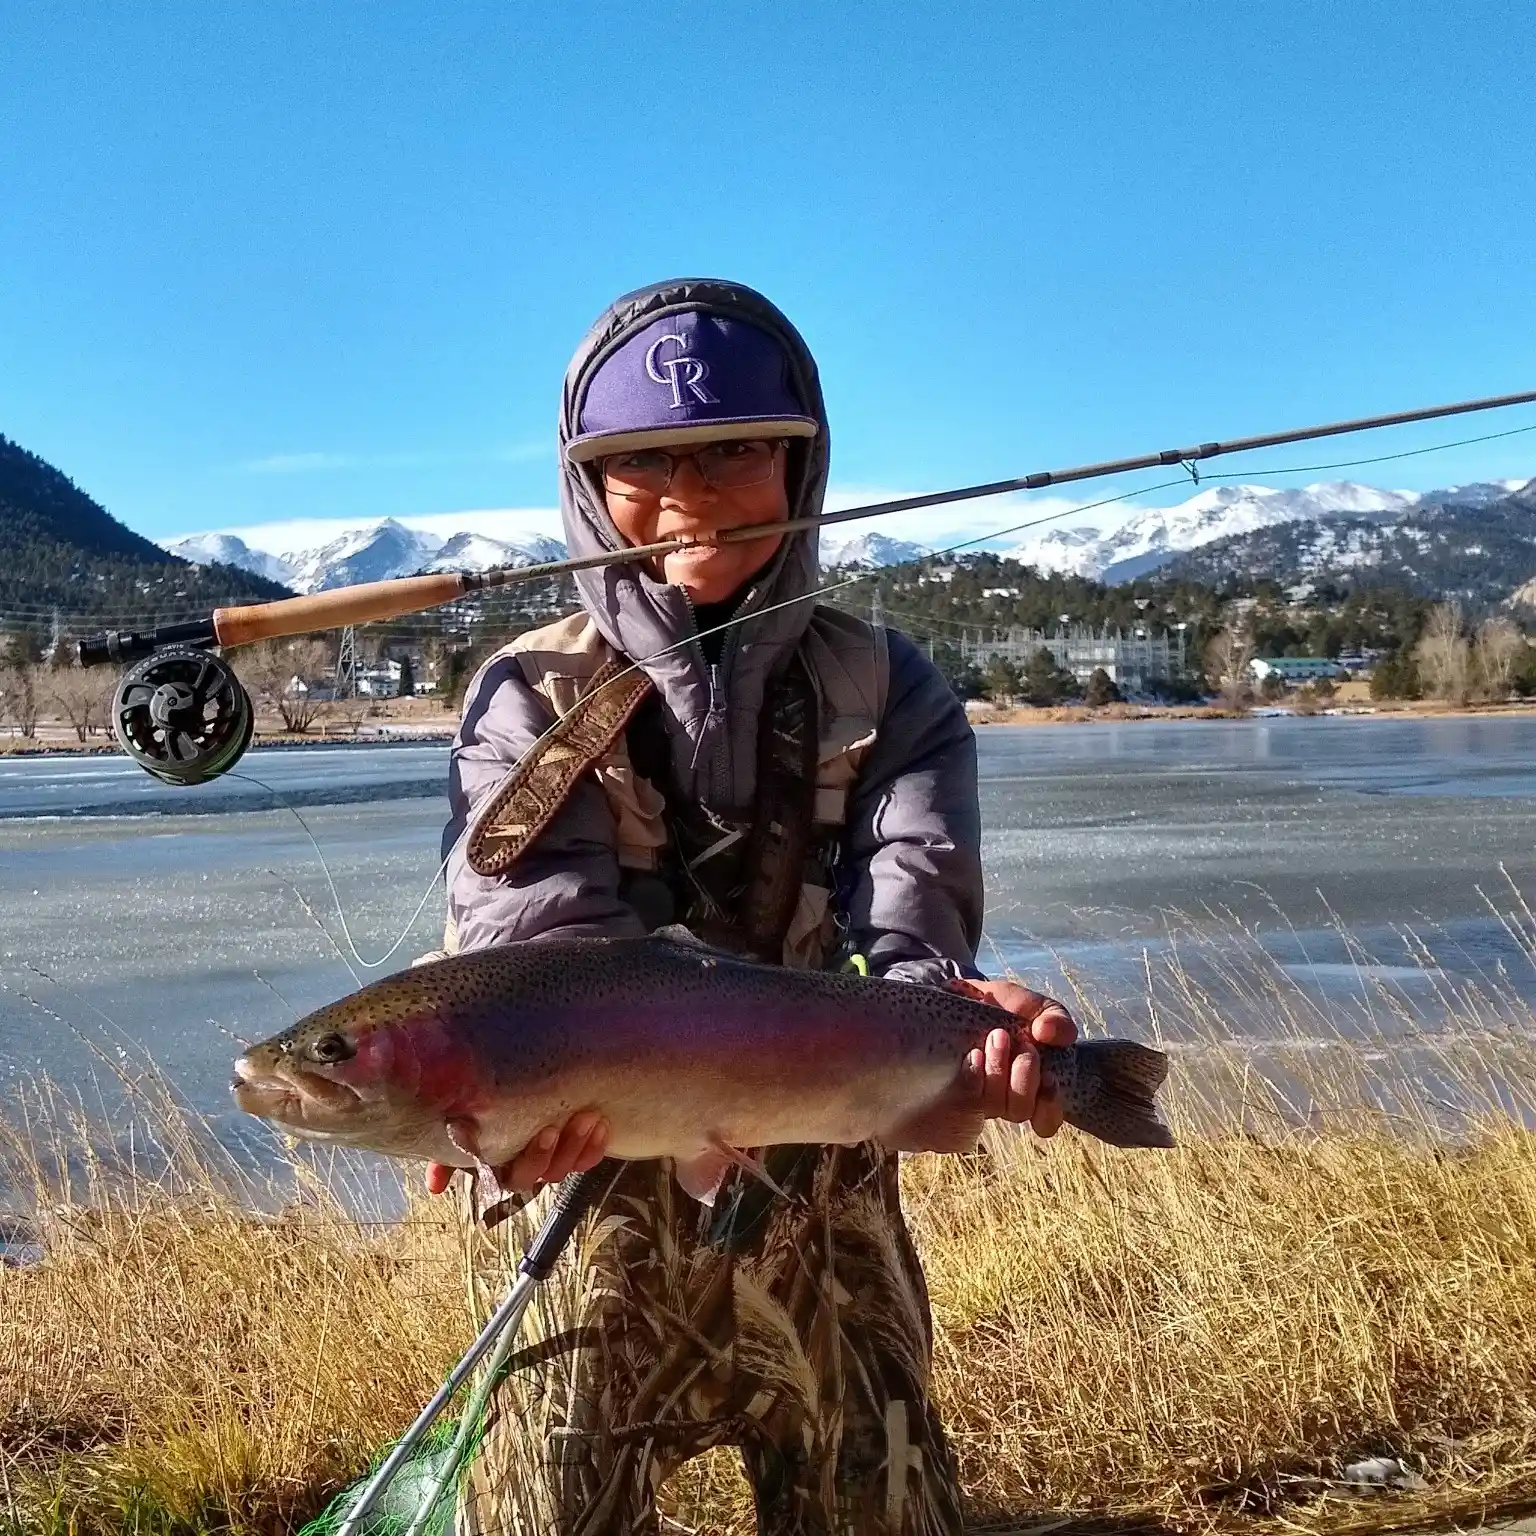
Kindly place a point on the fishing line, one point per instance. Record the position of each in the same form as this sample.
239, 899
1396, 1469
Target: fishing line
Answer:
1384, 458
826, 589
405, 933
819, 592
426, 895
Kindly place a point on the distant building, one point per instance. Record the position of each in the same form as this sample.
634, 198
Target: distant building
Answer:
381, 681
1363, 660
1295, 669
1135, 662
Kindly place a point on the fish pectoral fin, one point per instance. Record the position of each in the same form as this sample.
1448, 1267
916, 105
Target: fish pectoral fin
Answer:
750, 1164
465, 1135
702, 1176
676, 933
952, 1123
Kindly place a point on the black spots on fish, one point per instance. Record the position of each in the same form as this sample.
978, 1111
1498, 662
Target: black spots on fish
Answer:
1113, 1093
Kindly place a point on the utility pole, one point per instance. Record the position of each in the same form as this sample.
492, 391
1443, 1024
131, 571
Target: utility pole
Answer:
346, 664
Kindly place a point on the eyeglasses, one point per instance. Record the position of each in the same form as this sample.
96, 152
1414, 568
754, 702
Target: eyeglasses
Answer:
728, 466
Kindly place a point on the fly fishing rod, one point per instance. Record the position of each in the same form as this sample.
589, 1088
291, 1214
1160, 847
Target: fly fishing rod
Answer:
575, 1197
182, 714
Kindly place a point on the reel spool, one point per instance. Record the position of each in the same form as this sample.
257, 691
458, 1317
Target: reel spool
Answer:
182, 715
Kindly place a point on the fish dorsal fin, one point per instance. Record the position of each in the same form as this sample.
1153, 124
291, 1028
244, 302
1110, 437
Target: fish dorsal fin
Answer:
676, 933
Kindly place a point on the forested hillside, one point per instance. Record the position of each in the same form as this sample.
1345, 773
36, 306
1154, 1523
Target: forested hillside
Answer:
976, 595
1473, 554
60, 548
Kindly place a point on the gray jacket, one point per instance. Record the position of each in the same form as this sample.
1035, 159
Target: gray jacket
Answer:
913, 890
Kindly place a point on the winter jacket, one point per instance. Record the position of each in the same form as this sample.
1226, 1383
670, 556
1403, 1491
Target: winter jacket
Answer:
912, 889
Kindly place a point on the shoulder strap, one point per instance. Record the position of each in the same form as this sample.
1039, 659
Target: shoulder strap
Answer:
850, 661
526, 801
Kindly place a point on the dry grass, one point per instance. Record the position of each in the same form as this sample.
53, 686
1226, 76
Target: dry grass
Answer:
1199, 1338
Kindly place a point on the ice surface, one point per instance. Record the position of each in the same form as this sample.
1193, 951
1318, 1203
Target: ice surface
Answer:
137, 918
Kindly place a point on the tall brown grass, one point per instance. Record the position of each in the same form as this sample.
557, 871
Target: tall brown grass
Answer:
1338, 1260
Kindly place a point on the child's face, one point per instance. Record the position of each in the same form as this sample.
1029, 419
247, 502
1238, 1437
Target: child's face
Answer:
690, 507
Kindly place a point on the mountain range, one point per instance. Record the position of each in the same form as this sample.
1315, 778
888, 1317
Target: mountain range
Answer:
374, 552
1211, 519
1449, 545
388, 548
1156, 536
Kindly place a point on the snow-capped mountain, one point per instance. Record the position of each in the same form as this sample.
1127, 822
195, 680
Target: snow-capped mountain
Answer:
386, 549
374, 552
1478, 551
869, 549
314, 557
227, 549
365, 554
1153, 537
480, 552
1483, 493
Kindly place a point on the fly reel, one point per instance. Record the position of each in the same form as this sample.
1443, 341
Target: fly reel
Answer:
182, 715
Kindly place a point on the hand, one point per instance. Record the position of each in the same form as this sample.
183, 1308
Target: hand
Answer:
1008, 1073
557, 1150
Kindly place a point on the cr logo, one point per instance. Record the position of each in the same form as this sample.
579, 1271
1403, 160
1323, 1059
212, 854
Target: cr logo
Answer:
681, 372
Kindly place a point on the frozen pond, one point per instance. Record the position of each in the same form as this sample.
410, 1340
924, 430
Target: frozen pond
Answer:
137, 916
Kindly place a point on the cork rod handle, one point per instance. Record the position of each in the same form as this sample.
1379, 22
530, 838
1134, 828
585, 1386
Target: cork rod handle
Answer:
334, 610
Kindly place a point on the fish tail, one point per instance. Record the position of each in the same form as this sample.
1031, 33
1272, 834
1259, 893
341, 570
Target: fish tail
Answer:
1117, 1091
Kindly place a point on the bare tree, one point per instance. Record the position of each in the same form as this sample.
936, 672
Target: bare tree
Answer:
349, 713
83, 697
282, 676
1499, 646
1226, 665
1443, 655
19, 695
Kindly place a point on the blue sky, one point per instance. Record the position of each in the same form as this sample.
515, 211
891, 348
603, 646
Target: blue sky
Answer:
277, 261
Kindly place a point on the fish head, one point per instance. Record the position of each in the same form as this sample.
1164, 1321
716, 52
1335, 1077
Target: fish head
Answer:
382, 1069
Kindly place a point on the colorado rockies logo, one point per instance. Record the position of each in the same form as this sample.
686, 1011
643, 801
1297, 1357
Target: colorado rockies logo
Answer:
682, 372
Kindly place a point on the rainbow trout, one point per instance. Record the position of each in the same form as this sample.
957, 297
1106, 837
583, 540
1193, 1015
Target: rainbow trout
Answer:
689, 1053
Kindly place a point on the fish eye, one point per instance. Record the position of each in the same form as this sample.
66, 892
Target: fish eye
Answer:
330, 1048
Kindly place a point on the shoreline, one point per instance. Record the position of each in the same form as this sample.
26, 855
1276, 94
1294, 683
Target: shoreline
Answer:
980, 715
1125, 714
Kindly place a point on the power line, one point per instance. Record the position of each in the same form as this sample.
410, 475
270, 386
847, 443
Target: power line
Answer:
490, 603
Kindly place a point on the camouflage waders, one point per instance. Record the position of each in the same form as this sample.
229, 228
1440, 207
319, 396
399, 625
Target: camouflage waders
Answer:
797, 1330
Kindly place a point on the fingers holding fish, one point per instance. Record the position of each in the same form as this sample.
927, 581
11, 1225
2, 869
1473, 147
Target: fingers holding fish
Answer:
1049, 1021
556, 1151
581, 1143
1013, 1087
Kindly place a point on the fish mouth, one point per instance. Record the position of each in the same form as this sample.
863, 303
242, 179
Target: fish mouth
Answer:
291, 1095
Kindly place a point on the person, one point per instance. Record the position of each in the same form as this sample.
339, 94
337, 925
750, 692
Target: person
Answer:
705, 744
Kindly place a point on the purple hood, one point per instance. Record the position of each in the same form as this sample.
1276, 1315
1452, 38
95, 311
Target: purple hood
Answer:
712, 722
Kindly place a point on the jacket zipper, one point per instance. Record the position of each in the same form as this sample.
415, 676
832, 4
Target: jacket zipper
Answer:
715, 718
720, 790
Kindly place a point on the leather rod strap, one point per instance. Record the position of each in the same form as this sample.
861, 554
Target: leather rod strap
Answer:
527, 800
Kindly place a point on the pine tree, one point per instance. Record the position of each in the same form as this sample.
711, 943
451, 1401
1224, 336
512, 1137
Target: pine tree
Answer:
1000, 680
1397, 677
1045, 683
1101, 690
